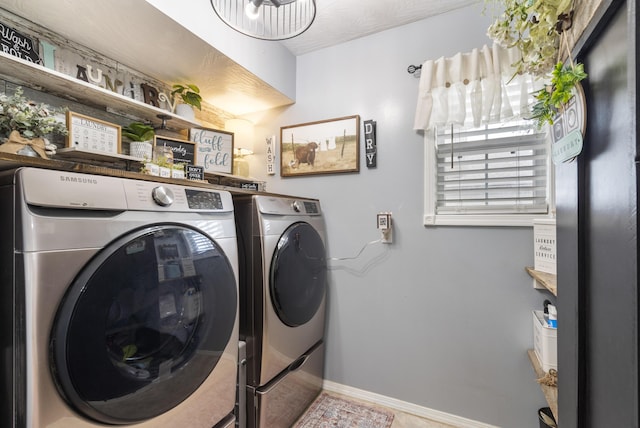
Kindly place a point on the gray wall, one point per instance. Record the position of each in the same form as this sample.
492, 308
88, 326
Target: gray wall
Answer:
442, 317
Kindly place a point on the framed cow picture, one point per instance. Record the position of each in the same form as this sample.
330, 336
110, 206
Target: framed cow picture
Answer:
329, 146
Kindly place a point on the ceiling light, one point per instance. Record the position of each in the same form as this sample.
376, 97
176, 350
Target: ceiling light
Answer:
267, 19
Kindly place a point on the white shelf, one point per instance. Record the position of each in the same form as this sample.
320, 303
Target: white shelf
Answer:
37, 77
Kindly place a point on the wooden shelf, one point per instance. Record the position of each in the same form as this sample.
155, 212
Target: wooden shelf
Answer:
546, 280
550, 392
88, 155
231, 183
37, 77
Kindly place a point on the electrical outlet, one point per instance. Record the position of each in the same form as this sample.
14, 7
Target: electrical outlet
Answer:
385, 226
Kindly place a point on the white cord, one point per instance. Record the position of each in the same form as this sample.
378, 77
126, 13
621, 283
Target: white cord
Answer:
357, 255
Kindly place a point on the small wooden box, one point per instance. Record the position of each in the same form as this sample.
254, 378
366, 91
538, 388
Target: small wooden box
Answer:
544, 245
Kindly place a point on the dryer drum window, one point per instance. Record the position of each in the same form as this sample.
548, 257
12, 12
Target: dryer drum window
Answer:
298, 274
143, 324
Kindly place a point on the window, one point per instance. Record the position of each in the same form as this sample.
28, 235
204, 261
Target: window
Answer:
495, 175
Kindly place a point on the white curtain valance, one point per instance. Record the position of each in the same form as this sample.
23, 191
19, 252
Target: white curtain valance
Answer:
475, 81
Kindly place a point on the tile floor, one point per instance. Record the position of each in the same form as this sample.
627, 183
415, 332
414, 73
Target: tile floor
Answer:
400, 419
405, 420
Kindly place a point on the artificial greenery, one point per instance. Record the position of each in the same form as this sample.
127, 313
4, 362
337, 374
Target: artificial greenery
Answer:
31, 119
550, 100
534, 27
189, 93
162, 162
137, 131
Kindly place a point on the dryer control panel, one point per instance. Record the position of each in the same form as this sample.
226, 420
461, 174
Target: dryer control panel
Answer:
287, 206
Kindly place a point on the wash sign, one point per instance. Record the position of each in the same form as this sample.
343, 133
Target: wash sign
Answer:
370, 148
16, 44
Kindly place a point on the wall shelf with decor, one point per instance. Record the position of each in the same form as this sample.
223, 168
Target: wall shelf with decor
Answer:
35, 76
544, 280
228, 182
550, 392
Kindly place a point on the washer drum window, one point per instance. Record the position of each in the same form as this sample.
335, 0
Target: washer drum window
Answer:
144, 324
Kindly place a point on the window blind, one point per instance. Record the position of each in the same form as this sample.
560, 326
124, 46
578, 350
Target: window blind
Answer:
493, 169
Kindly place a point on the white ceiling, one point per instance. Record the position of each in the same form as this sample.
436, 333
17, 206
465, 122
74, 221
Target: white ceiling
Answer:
107, 27
338, 21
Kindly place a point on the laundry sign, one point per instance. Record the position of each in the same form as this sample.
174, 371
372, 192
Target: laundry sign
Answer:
271, 156
370, 147
19, 45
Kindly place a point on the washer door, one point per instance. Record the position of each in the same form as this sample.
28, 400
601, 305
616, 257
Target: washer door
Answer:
143, 324
298, 276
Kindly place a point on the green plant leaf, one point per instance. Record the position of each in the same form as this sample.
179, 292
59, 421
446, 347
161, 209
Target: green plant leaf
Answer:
549, 101
137, 131
189, 93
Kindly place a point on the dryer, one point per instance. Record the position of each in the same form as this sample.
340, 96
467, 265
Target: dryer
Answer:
283, 287
119, 302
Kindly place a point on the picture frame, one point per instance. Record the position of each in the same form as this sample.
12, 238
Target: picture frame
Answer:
184, 151
328, 146
90, 134
214, 149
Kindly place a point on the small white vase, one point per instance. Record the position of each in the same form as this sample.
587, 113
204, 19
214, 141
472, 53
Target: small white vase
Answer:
141, 149
186, 111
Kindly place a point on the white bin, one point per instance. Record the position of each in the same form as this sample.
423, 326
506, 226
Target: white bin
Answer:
545, 342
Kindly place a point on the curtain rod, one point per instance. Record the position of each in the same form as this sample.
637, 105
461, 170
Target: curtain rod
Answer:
412, 69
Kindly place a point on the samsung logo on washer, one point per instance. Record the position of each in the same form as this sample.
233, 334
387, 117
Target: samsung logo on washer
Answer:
81, 180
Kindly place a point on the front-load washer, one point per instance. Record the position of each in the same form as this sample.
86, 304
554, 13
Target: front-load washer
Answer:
119, 302
283, 287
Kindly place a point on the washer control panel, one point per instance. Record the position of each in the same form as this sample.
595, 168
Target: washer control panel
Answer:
61, 189
143, 195
203, 200
162, 196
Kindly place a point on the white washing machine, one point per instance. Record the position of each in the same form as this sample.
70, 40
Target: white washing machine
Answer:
283, 286
119, 302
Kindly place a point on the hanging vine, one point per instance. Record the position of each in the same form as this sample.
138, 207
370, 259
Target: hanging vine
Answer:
537, 28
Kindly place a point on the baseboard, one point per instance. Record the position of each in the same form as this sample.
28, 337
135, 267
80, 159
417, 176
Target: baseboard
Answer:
403, 406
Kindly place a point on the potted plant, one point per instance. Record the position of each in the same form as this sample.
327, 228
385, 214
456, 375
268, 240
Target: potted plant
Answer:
24, 125
140, 136
190, 96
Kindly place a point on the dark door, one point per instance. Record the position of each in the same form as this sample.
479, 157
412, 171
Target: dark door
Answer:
597, 238
298, 274
144, 324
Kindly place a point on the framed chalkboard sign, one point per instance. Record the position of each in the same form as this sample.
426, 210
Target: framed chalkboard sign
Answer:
214, 149
18, 45
183, 150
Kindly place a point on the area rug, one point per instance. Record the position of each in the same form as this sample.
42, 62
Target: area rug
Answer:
329, 411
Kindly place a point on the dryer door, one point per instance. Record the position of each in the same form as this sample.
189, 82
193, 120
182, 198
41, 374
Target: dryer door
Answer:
143, 324
298, 276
